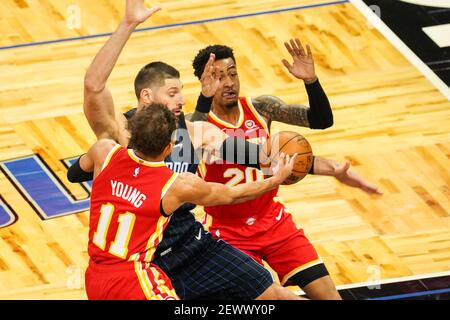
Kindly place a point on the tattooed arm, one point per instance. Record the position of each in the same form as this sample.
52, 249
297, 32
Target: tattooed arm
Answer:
273, 108
197, 116
318, 116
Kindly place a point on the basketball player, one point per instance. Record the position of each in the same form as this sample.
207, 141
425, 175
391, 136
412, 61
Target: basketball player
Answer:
198, 266
133, 197
263, 228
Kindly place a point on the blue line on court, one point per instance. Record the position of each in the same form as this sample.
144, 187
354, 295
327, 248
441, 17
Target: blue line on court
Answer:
410, 295
173, 25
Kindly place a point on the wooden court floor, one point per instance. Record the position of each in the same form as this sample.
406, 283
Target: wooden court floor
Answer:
390, 122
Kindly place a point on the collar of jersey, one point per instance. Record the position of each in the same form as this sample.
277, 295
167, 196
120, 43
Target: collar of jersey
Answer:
227, 124
145, 162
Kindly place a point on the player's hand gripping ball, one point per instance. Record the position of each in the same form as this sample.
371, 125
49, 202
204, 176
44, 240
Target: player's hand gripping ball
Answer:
289, 143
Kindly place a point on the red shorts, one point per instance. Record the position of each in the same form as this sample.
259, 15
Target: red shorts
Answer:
283, 246
133, 281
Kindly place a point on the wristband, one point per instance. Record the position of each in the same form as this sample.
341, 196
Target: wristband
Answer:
203, 104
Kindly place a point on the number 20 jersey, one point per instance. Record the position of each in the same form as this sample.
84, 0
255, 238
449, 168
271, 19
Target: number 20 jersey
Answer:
248, 218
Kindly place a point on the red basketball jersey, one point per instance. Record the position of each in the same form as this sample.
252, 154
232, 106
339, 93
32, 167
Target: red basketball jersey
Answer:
125, 219
251, 217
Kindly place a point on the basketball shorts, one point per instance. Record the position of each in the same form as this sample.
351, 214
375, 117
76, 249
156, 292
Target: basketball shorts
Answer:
204, 268
134, 281
285, 248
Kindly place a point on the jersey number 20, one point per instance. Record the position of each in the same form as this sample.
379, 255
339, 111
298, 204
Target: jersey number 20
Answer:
237, 175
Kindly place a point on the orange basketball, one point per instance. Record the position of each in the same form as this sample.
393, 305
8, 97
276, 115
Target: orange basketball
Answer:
289, 143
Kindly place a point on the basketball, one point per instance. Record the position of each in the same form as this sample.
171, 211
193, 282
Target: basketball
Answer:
289, 143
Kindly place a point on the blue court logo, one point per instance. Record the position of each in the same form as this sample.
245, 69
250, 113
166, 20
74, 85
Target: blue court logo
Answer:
41, 188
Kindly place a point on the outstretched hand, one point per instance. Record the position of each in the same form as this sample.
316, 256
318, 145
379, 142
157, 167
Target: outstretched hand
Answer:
349, 177
210, 79
136, 12
303, 63
284, 167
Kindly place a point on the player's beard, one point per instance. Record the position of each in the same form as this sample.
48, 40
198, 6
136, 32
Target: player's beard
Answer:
231, 104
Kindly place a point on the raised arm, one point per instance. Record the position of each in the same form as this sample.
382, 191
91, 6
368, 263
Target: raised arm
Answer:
319, 115
189, 188
98, 103
274, 109
210, 82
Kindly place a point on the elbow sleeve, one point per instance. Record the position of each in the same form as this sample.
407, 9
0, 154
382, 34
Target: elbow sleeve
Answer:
204, 104
76, 174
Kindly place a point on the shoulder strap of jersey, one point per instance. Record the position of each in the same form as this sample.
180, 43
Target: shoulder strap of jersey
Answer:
243, 102
164, 190
110, 155
168, 184
247, 104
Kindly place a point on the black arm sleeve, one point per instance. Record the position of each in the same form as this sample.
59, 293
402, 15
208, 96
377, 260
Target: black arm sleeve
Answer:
202, 108
76, 174
204, 104
240, 151
320, 115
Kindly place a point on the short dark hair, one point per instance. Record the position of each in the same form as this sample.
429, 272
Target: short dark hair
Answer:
151, 129
154, 74
221, 52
